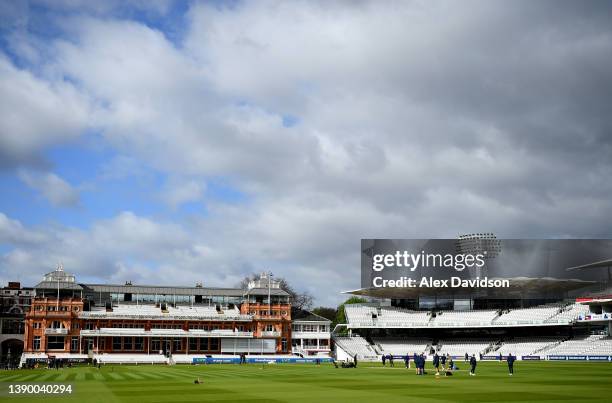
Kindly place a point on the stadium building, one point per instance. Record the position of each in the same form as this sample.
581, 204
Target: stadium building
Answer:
537, 318
126, 323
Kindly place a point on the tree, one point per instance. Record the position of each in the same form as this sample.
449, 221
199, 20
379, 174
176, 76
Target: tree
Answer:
299, 300
327, 313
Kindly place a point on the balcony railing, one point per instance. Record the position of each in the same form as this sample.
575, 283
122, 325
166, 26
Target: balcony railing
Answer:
270, 334
56, 331
310, 335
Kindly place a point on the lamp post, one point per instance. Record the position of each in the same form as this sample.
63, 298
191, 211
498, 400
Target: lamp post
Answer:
269, 298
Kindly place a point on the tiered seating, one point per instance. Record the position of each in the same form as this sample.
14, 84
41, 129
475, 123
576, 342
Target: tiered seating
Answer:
534, 315
402, 346
398, 317
462, 346
594, 345
464, 318
361, 315
570, 313
356, 345
527, 345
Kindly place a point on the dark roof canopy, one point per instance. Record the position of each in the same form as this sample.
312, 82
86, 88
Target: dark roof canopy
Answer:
307, 316
595, 265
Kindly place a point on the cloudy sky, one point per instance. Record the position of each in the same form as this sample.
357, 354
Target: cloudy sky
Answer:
175, 142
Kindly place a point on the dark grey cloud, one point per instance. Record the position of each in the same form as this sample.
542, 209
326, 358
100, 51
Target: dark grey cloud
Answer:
413, 120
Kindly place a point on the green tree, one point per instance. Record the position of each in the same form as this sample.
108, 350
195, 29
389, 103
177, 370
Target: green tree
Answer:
327, 313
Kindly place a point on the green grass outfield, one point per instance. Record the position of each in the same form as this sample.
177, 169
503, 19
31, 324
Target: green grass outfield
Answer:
532, 382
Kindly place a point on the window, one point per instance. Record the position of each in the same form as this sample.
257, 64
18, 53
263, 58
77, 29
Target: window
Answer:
127, 343
138, 343
36, 342
55, 342
176, 345
155, 345
74, 344
36, 325
214, 344
269, 328
116, 343
193, 344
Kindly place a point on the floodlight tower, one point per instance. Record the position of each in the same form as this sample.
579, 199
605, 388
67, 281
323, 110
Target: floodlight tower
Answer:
485, 244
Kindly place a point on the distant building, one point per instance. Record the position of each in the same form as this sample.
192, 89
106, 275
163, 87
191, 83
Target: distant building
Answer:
70, 319
15, 301
310, 333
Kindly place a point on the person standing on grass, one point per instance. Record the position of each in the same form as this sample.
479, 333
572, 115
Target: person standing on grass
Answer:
443, 361
421, 364
467, 357
473, 365
510, 361
407, 360
384, 359
436, 363
355, 360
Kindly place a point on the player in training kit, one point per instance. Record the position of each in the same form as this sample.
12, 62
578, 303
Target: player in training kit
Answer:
510, 361
473, 365
436, 363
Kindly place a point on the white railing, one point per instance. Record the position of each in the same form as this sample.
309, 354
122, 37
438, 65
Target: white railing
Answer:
310, 335
160, 316
165, 332
56, 331
270, 334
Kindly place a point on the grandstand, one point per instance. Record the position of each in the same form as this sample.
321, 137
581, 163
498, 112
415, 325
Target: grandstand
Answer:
527, 346
397, 317
593, 344
366, 315
356, 345
464, 318
458, 347
536, 315
361, 315
521, 332
402, 346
